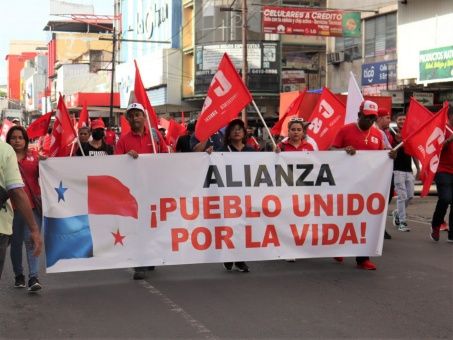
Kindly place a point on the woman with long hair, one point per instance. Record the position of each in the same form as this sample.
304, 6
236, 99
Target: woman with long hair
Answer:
297, 136
235, 141
28, 161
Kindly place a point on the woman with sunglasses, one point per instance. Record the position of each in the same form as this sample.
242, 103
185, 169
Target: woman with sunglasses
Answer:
235, 141
28, 161
297, 136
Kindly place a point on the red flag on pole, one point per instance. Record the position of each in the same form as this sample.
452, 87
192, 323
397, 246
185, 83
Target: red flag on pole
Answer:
426, 143
5, 127
227, 96
125, 127
326, 120
39, 127
416, 116
142, 98
174, 131
63, 133
293, 110
84, 119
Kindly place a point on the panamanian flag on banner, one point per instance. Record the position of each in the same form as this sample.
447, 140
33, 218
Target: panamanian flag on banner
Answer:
87, 217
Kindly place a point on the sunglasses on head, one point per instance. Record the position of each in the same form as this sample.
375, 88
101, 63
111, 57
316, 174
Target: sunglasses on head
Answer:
296, 119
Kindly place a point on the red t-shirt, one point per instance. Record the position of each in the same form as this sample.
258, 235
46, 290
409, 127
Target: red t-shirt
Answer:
136, 142
29, 166
446, 156
303, 146
351, 135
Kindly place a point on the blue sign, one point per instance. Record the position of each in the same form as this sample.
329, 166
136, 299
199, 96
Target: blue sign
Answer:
379, 73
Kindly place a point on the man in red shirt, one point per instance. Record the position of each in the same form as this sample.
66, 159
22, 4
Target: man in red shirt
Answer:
135, 142
444, 184
362, 135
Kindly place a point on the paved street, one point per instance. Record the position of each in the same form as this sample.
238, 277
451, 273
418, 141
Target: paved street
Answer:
409, 296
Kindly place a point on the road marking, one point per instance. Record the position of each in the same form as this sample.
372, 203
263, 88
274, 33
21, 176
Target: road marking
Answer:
174, 307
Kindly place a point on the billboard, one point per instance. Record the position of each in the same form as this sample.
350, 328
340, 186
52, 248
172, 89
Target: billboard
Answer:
263, 65
436, 65
305, 21
379, 73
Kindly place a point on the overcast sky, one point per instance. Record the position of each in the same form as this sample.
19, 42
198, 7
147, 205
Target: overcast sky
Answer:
25, 20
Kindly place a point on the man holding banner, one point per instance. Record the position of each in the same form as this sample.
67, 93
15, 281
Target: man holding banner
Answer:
362, 135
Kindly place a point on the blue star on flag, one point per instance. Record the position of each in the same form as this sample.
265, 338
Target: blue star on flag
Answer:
60, 191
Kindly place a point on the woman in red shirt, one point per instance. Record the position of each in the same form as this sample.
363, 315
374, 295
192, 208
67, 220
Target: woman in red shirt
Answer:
28, 164
297, 136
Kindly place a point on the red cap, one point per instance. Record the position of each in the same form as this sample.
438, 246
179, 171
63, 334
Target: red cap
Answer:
383, 112
369, 108
97, 124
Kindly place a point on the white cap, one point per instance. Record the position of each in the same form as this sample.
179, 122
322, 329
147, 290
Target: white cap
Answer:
369, 108
135, 106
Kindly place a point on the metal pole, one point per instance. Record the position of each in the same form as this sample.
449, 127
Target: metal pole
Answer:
244, 54
112, 78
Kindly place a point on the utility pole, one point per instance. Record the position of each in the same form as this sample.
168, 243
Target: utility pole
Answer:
244, 54
112, 77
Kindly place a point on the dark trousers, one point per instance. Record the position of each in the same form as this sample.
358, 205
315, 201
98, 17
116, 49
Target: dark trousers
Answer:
444, 184
4, 242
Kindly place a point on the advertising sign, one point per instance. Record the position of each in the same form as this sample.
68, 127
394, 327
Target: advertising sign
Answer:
305, 21
379, 73
436, 65
262, 58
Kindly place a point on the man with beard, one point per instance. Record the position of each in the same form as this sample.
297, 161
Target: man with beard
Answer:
362, 135
97, 146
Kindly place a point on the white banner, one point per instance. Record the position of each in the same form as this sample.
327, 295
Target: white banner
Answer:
166, 209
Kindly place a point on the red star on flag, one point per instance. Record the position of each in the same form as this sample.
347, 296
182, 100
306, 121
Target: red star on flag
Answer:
118, 237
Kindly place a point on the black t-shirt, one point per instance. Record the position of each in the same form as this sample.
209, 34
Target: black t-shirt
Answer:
183, 144
90, 150
231, 148
403, 162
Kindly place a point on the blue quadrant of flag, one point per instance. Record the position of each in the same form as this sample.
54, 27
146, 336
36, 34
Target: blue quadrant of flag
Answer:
67, 238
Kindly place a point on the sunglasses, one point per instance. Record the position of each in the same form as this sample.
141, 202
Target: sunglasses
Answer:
296, 119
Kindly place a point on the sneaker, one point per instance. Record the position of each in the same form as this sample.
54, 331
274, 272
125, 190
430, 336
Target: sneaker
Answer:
435, 233
139, 275
34, 285
396, 219
367, 265
403, 227
228, 265
338, 259
19, 281
450, 240
387, 236
242, 267
444, 226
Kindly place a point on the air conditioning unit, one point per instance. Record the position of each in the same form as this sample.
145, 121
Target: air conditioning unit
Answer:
335, 58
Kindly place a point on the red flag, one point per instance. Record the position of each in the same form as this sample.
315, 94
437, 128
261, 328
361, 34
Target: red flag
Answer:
326, 120
5, 127
227, 96
425, 144
174, 131
63, 131
125, 127
84, 119
164, 123
39, 127
142, 98
416, 116
293, 110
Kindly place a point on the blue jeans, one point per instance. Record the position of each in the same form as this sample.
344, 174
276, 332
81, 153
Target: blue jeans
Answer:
21, 235
444, 183
4, 242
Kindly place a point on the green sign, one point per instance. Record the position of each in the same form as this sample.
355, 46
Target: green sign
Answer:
351, 23
436, 65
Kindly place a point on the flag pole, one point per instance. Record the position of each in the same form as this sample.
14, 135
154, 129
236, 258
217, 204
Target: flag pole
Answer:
150, 130
264, 123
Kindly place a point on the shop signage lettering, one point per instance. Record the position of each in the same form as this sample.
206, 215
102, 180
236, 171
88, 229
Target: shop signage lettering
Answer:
436, 65
151, 19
